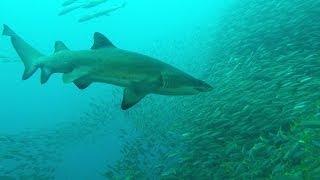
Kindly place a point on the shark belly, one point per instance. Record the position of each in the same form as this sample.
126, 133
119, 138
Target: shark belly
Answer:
176, 91
122, 82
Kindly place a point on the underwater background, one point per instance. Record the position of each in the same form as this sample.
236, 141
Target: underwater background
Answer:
261, 121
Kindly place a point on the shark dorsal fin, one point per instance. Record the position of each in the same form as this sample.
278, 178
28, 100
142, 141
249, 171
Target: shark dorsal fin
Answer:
100, 41
60, 46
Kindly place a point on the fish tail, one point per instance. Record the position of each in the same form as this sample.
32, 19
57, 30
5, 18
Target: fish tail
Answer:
26, 52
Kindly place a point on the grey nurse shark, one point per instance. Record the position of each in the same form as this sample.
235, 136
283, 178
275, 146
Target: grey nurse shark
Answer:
140, 75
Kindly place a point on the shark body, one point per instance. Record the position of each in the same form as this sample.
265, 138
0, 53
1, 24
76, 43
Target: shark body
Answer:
139, 74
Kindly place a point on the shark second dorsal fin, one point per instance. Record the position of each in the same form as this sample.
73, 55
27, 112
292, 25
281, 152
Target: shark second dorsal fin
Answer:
60, 46
100, 41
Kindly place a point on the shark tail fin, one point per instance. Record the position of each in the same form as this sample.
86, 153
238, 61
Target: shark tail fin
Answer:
27, 53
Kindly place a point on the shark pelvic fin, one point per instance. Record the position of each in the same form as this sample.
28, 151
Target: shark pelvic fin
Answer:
100, 41
75, 74
82, 84
60, 46
45, 75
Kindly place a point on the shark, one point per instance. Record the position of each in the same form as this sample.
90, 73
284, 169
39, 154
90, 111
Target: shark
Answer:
71, 6
93, 3
101, 13
138, 74
69, 9
69, 2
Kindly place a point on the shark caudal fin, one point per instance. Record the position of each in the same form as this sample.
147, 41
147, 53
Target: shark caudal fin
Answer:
27, 53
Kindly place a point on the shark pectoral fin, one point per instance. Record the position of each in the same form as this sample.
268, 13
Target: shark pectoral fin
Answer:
82, 84
75, 74
45, 75
131, 97
134, 94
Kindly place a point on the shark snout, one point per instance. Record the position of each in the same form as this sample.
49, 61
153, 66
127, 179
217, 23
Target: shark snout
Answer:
203, 87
